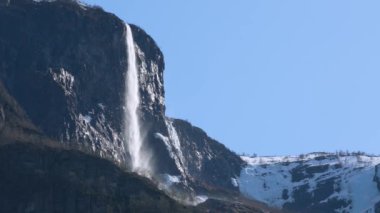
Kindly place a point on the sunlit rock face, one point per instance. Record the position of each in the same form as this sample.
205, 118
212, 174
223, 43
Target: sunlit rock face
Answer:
66, 64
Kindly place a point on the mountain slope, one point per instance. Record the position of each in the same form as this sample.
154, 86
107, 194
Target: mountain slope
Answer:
65, 64
314, 183
63, 67
38, 178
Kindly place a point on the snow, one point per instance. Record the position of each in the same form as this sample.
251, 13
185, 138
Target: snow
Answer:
80, 3
174, 179
363, 190
266, 178
200, 199
87, 118
102, 106
169, 180
64, 79
265, 185
234, 182
151, 93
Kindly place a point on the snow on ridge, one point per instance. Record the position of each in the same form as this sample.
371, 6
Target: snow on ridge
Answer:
317, 158
82, 5
269, 179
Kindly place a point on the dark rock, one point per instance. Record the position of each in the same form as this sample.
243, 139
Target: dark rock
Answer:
317, 169
305, 201
299, 173
285, 194
377, 176
324, 189
53, 59
205, 157
377, 207
42, 179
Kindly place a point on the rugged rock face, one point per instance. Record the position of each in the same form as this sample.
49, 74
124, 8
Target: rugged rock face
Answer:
209, 159
53, 60
38, 174
64, 65
377, 176
314, 183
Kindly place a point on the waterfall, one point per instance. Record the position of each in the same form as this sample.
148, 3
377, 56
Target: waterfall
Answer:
134, 141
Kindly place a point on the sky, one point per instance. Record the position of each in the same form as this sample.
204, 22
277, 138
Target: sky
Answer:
270, 77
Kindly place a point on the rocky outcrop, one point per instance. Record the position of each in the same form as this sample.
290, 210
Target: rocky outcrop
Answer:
61, 70
204, 157
377, 176
64, 64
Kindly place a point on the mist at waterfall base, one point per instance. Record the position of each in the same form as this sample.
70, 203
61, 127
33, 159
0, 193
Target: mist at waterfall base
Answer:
140, 156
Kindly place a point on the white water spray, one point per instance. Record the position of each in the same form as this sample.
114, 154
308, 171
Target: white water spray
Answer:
139, 157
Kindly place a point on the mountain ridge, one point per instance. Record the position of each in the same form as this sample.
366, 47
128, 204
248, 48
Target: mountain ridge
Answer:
318, 182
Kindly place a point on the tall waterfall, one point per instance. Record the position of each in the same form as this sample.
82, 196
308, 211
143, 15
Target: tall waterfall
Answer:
139, 157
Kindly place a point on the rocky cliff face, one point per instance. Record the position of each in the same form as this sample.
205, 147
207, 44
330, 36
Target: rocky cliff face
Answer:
64, 65
53, 61
377, 176
314, 183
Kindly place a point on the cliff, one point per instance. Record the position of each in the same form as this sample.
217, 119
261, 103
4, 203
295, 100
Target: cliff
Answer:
63, 68
65, 65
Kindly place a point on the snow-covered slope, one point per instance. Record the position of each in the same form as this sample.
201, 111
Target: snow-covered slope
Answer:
316, 182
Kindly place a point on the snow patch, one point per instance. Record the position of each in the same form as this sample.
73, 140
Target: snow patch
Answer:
80, 3
265, 185
101, 106
85, 118
200, 199
234, 182
64, 79
171, 179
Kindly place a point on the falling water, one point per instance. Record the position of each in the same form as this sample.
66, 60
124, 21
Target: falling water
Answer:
139, 163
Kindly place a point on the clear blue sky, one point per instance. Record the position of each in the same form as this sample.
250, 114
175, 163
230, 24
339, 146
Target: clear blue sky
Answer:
269, 77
